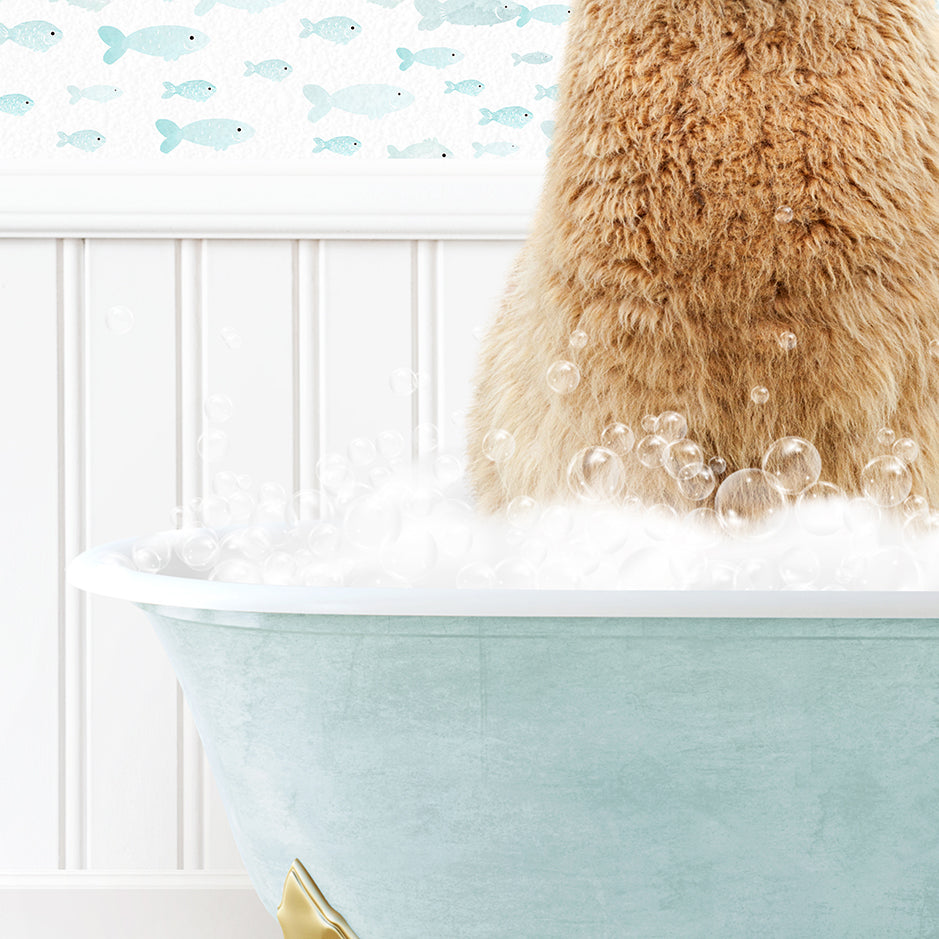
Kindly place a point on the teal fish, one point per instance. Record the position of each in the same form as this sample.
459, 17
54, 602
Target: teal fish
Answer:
345, 146
554, 13
37, 35
195, 90
468, 87
274, 69
373, 101
88, 140
168, 42
542, 92
510, 117
249, 6
547, 128
217, 133
101, 93
532, 58
334, 28
438, 57
429, 149
16, 104
500, 148
434, 13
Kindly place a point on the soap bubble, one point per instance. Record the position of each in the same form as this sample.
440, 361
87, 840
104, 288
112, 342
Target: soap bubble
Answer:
390, 444
253, 542
861, 517
596, 474
403, 382
819, 509
556, 523
279, 568
748, 503
523, 512
371, 520
244, 481
906, 449
578, 339
787, 341
212, 445
534, 550
658, 521
934, 348
421, 499
199, 549
759, 394
886, 437
324, 540
619, 438
427, 437
272, 492
886, 481
696, 481
218, 408
448, 469
361, 451
333, 471
679, 454
231, 339
309, 505
718, 465
799, 567
793, 464
648, 423
515, 573
650, 451
563, 377
216, 512
271, 511
784, 214
755, 574
498, 445
119, 320
916, 506
236, 571
671, 425
241, 505
225, 483
151, 554
475, 576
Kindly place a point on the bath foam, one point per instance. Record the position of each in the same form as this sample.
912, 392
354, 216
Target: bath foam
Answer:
722, 176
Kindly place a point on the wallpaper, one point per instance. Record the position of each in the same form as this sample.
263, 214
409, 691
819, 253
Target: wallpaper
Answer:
295, 80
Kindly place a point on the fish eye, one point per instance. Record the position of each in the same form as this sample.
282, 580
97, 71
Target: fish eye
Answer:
52, 33
192, 37
443, 155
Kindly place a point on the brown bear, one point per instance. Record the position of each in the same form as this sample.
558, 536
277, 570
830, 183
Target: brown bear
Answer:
741, 194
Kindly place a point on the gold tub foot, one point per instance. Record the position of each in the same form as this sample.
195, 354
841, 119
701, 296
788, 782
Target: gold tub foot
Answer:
304, 913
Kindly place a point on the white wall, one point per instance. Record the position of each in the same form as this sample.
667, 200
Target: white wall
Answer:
106, 803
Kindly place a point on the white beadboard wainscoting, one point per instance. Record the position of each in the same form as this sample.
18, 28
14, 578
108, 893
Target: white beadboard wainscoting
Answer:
110, 822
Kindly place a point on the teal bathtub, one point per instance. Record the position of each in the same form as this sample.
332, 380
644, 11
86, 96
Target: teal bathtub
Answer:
552, 764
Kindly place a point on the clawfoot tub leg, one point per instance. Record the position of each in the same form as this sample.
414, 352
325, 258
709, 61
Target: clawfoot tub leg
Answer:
304, 913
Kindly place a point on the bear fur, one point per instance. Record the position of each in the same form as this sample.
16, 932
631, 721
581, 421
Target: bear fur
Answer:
682, 128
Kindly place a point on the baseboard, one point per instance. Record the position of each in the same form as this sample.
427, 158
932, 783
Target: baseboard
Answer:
102, 905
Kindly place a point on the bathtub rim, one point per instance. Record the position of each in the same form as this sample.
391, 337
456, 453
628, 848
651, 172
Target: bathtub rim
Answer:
89, 571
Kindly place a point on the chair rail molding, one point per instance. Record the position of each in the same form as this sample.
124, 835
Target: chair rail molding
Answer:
377, 199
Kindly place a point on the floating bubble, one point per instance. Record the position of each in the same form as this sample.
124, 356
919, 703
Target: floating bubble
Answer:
718, 465
916, 507
759, 394
421, 499
151, 554
671, 425
793, 464
498, 446
787, 341
218, 408
934, 348
241, 505
225, 483
244, 481
679, 454
799, 566
333, 471
309, 505
658, 521
372, 520
199, 549
119, 320
596, 474
886, 437
648, 423
578, 339
886, 481
403, 382
563, 377
212, 445
556, 523
324, 540
748, 502
819, 509
216, 512
427, 436
650, 451
784, 214
361, 451
236, 571
906, 449
619, 438
253, 542
231, 339
476, 576
448, 469
271, 511
390, 444
523, 512
861, 517
696, 481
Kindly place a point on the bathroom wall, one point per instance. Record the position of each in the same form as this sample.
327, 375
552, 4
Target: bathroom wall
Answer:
224, 81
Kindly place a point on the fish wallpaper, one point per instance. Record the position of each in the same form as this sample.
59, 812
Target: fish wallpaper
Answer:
282, 80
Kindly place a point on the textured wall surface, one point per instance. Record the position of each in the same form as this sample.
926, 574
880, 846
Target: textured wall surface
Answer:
231, 80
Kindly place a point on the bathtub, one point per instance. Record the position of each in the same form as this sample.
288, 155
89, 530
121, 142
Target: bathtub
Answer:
419, 764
